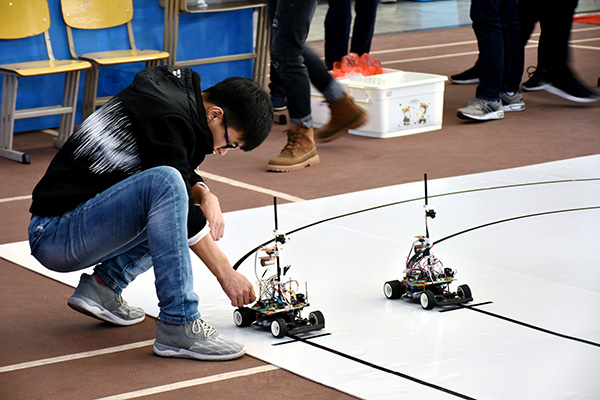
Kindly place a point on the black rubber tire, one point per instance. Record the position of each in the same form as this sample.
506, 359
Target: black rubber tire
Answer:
243, 316
279, 328
393, 289
464, 291
427, 300
316, 317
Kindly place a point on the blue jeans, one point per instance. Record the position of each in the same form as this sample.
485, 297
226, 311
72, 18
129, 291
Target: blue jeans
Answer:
138, 223
501, 52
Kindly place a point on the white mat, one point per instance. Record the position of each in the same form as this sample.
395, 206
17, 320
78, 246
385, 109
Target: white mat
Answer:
539, 337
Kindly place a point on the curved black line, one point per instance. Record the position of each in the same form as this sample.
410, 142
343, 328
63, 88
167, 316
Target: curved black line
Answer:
380, 368
248, 254
514, 219
514, 321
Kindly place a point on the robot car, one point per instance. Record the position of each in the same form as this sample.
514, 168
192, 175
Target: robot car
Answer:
425, 278
279, 305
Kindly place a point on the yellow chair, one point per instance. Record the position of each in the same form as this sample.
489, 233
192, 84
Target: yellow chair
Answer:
103, 14
21, 19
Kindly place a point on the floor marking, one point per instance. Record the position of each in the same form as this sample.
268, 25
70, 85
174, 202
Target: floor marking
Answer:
76, 356
190, 383
537, 328
16, 198
380, 368
52, 132
248, 186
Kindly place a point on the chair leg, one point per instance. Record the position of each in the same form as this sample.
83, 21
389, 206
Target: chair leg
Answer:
90, 91
10, 84
67, 121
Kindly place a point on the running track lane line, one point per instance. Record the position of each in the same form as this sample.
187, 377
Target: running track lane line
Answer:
248, 186
76, 356
191, 383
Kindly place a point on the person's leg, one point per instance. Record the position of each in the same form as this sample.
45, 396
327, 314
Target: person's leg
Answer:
514, 50
290, 28
291, 24
337, 30
117, 228
556, 20
486, 18
364, 26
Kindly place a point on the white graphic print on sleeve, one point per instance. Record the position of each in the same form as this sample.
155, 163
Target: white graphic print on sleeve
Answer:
106, 140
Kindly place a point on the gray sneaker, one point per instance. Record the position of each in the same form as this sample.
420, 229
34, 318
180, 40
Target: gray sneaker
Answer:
512, 103
197, 340
99, 301
481, 110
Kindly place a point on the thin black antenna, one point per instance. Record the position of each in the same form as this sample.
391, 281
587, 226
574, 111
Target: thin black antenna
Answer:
426, 213
275, 210
277, 247
426, 189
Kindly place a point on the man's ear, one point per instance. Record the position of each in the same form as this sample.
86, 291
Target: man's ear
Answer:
214, 112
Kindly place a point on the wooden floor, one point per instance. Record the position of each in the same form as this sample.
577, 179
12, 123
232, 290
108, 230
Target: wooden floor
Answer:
47, 351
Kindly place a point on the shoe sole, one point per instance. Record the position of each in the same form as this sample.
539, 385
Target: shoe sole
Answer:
561, 93
464, 81
487, 117
102, 314
359, 121
176, 352
294, 167
513, 107
280, 108
534, 88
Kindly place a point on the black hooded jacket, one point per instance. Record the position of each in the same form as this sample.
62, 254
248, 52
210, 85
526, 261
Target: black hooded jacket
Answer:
159, 120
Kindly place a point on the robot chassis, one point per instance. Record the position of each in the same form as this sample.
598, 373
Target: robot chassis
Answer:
425, 278
279, 305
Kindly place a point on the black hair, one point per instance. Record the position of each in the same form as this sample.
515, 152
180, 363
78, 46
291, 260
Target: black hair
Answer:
247, 107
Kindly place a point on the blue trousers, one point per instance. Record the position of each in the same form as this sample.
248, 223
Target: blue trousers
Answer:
295, 65
136, 224
501, 53
337, 28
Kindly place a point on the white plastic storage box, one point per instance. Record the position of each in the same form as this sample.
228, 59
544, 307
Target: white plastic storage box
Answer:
400, 102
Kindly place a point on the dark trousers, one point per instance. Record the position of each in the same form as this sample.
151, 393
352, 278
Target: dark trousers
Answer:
294, 64
556, 19
337, 28
501, 53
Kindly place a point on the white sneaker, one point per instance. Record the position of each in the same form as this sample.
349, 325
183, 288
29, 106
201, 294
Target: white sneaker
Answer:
197, 340
481, 110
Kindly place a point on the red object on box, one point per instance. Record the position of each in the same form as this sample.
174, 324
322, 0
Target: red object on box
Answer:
351, 63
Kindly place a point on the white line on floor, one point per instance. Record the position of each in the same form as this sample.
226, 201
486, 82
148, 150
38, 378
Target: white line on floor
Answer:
76, 356
191, 383
248, 186
6, 200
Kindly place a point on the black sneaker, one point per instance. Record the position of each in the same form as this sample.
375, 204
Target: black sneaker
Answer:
537, 79
278, 98
466, 77
568, 87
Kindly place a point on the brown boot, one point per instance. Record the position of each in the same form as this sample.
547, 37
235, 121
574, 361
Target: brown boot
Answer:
345, 114
299, 152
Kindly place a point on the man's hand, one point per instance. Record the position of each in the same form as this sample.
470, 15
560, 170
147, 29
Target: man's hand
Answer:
234, 284
237, 288
209, 203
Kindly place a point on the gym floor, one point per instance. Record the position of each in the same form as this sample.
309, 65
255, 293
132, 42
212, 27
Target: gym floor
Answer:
50, 352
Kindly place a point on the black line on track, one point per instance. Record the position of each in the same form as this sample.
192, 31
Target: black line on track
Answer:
380, 368
245, 256
537, 328
458, 306
472, 307
305, 338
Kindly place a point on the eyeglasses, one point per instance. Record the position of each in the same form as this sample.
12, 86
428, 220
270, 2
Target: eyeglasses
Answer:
228, 145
